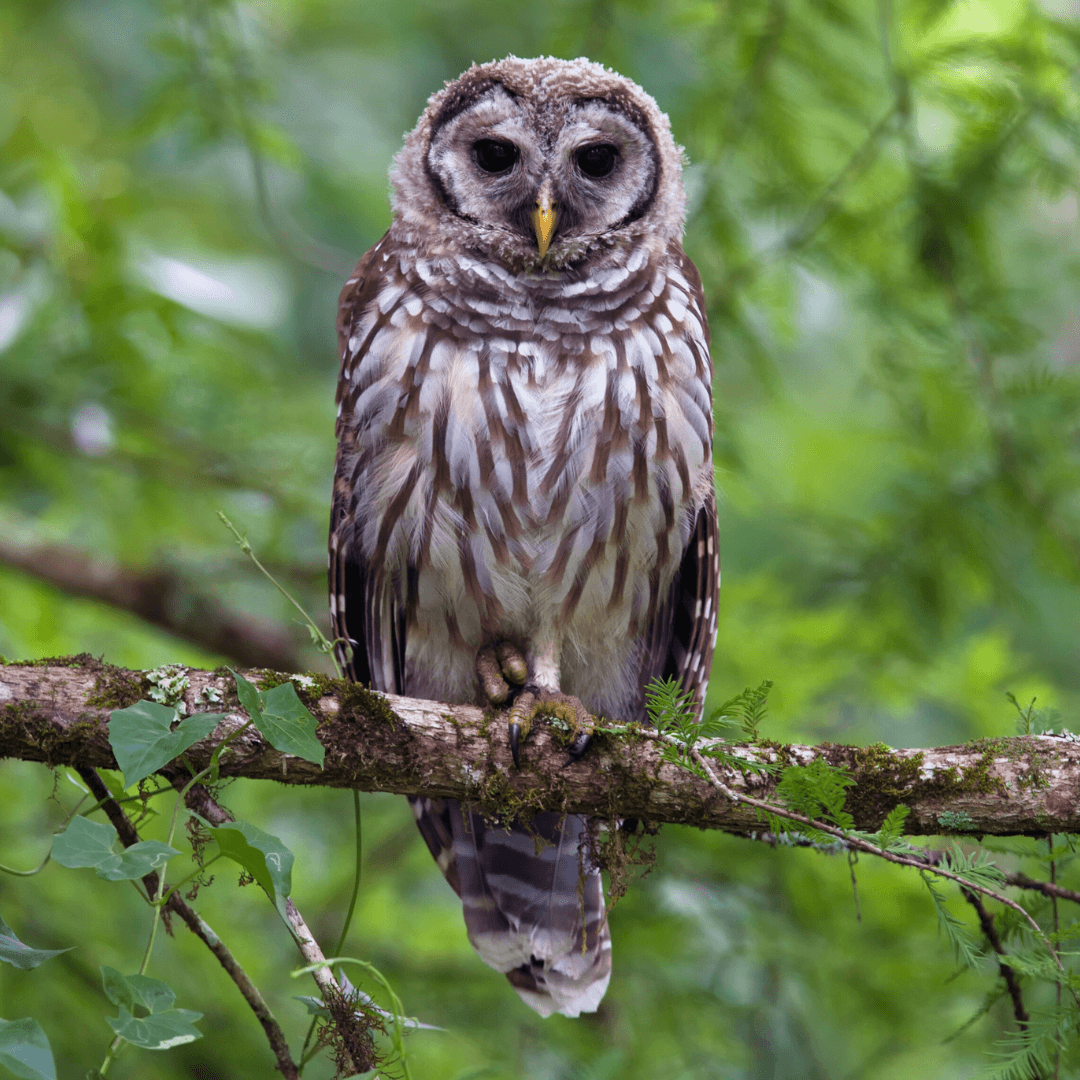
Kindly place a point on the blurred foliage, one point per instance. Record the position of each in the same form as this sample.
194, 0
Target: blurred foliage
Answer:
884, 209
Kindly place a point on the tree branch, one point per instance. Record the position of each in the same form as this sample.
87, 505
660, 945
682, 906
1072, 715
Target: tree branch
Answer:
55, 712
162, 598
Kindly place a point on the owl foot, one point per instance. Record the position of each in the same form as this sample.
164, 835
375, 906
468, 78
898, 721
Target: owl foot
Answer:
533, 703
499, 666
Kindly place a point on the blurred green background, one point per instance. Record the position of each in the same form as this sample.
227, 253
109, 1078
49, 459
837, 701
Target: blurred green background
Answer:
883, 207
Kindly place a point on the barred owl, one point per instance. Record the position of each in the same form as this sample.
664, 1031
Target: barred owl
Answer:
524, 483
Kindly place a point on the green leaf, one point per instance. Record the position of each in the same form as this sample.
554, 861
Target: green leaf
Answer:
951, 927
136, 990
288, 726
749, 706
669, 706
164, 1027
161, 1031
90, 843
281, 718
25, 1050
249, 698
817, 791
14, 952
143, 739
137, 861
892, 828
263, 856
85, 843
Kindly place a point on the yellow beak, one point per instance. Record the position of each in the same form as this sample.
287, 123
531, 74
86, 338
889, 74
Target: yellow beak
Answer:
543, 221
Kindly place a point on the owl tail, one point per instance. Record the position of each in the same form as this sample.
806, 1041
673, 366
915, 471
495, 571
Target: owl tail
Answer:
533, 903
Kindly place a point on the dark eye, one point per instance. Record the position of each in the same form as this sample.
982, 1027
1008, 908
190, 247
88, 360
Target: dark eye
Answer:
495, 155
597, 160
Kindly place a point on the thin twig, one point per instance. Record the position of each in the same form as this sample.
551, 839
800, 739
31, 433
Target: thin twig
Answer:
348, 1021
858, 844
1054, 905
986, 921
852, 858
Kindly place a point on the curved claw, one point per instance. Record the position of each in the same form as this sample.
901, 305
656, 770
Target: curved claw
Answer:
579, 746
515, 738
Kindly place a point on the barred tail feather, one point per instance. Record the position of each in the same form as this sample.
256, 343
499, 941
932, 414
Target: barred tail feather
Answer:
533, 902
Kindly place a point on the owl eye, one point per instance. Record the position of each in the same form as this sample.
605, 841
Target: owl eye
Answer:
495, 155
597, 160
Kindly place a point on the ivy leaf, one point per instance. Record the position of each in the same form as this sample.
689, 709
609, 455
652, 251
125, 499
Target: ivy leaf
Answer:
137, 861
85, 843
263, 856
282, 719
25, 1050
249, 698
135, 990
90, 843
164, 1027
14, 952
143, 739
289, 726
160, 1031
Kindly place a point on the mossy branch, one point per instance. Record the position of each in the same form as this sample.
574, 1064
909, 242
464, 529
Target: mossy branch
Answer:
55, 711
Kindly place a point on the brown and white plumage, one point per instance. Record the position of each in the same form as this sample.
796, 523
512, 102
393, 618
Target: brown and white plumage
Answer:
524, 455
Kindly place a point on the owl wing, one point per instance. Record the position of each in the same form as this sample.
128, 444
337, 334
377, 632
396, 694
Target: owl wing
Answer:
682, 638
366, 613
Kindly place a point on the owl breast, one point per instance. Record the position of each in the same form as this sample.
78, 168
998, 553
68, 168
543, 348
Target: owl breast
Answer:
526, 458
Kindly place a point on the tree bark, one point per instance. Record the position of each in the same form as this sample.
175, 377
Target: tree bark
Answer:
55, 712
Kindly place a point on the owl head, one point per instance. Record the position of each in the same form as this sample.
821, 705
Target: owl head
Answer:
544, 165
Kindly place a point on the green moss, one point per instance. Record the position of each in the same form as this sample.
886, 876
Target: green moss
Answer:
266, 679
117, 688
54, 742
625, 850
883, 779
311, 687
487, 718
501, 802
114, 688
78, 660
953, 821
21, 714
1022, 750
784, 758
356, 699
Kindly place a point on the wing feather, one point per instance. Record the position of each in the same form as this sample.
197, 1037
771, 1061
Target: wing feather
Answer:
681, 641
